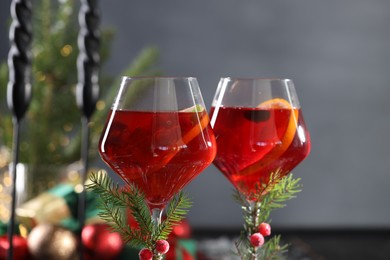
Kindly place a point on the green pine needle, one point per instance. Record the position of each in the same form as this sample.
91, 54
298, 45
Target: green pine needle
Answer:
269, 196
102, 185
176, 212
114, 200
272, 250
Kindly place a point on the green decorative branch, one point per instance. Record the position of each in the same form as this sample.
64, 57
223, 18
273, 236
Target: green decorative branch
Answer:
114, 200
270, 196
176, 212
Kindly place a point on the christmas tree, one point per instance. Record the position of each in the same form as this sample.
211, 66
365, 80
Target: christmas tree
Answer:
50, 131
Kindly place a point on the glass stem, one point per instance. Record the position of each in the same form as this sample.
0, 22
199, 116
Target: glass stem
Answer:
156, 219
156, 216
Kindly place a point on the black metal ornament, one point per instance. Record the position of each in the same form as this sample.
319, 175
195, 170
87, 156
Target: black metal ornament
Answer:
18, 88
19, 58
87, 91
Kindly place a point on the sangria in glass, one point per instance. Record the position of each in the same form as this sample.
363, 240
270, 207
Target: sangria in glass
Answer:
261, 136
158, 137
260, 130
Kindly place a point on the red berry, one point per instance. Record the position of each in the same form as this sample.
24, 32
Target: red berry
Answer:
265, 229
162, 246
145, 254
257, 239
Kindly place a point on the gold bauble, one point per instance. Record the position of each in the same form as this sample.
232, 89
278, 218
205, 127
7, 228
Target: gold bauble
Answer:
47, 241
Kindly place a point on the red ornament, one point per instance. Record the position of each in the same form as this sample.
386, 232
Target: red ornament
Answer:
100, 242
182, 230
145, 254
20, 248
257, 239
162, 246
265, 229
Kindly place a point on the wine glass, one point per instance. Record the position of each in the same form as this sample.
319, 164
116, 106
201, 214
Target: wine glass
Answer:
260, 130
158, 136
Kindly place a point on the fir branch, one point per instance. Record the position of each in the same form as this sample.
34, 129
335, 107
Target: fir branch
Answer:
140, 211
243, 247
106, 190
286, 189
267, 186
114, 217
272, 249
176, 212
114, 200
269, 196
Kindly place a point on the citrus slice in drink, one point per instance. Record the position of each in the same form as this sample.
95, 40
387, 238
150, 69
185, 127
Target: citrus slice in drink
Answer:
275, 103
286, 138
202, 121
196, 108
279, 103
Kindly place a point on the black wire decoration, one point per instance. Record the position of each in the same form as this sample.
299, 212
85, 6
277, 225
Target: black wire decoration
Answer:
18, 88
87, 90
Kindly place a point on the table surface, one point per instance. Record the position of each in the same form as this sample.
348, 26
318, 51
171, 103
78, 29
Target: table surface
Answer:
315, 244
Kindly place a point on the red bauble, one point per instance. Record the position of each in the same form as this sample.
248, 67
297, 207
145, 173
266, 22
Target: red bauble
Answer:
182, 230
99, 241
20, 248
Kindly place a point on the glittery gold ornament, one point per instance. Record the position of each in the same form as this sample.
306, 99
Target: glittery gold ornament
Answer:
47, 241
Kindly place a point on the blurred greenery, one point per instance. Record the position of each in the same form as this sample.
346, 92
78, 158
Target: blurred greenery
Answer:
51, 128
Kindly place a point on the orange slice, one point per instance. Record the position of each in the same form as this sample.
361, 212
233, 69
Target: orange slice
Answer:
203, 121
292, 123
285, 141
275, 104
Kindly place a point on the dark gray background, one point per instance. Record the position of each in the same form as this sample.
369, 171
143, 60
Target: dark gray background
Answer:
337, 52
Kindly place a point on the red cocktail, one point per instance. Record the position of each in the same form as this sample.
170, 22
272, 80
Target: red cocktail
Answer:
254, 142
158, 137
160, 152
260, 130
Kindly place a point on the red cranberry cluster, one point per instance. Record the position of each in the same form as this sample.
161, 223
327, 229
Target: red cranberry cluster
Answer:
257, 239
161, 247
